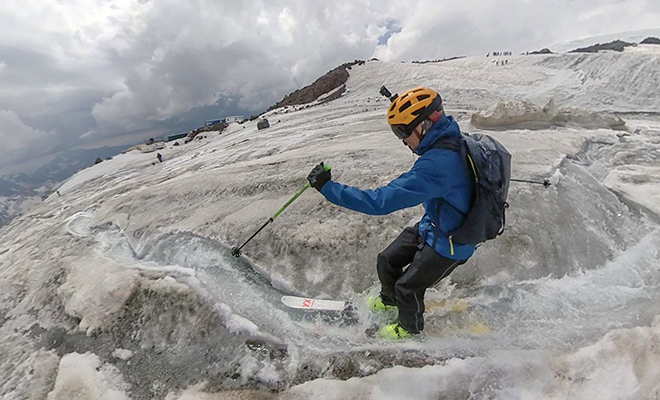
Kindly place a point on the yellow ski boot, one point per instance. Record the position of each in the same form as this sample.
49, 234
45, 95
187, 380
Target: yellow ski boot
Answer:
375, 303
394, 332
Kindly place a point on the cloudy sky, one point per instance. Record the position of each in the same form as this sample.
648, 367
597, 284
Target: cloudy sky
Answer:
90, 72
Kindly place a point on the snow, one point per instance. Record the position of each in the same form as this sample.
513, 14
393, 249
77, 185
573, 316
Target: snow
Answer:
96, 298
619, 366
83, 376
236, 323
125, 287
633, 174
639, 184
122, 354
123, 161
644, 49
631, 37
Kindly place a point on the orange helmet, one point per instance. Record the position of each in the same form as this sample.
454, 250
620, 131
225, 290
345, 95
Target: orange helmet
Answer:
411, 108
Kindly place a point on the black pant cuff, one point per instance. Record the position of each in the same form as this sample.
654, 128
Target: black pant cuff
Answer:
387, 300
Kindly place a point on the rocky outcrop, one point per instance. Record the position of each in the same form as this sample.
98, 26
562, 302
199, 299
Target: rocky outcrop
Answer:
650, 40
542, 51
617, 45
263, 124
439, 60
328, 82
220, 126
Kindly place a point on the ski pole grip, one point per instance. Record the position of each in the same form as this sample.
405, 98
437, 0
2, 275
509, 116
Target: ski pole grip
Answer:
327, 167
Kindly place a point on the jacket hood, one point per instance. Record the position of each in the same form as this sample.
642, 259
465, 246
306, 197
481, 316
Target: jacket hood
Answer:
445, 127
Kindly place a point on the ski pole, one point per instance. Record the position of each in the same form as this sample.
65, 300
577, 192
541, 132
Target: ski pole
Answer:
236, 251
546, 182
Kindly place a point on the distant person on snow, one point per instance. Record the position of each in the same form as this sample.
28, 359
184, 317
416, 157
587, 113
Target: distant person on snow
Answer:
160, 157
441, 181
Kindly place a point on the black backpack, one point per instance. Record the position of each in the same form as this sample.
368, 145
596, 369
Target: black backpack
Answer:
490, 163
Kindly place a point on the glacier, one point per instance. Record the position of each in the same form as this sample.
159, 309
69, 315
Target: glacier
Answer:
124, 286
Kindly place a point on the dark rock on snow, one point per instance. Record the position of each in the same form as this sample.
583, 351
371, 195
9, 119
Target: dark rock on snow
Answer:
617, 45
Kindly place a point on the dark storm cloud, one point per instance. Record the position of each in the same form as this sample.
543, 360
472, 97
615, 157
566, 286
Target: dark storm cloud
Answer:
88, 70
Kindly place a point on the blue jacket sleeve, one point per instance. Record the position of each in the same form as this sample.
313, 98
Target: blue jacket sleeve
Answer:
416, 186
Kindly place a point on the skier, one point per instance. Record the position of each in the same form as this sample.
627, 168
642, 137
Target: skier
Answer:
439, 180
160, 157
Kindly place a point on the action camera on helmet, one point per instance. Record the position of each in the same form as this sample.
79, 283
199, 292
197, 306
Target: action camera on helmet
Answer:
387, 93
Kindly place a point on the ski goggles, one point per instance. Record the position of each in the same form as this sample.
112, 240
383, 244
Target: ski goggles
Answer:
403, 132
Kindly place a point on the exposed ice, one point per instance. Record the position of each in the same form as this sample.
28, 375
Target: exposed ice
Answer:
125, 287
620, 366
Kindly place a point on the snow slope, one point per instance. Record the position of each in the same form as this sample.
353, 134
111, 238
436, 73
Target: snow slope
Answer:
124, 287
630, 37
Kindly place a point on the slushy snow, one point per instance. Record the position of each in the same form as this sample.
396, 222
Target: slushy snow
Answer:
124, 287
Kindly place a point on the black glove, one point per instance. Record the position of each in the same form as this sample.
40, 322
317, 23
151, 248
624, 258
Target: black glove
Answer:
318, 177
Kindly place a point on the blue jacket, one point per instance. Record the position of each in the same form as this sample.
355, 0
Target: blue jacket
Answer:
437, 174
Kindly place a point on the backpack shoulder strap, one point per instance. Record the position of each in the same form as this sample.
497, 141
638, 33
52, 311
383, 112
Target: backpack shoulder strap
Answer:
456, 144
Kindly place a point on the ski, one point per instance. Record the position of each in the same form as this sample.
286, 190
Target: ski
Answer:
304, 303
307, 303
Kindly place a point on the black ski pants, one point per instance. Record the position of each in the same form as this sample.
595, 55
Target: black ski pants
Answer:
406, 289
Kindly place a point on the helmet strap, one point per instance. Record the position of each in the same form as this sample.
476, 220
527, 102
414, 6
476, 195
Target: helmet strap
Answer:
435, 116
422, 128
